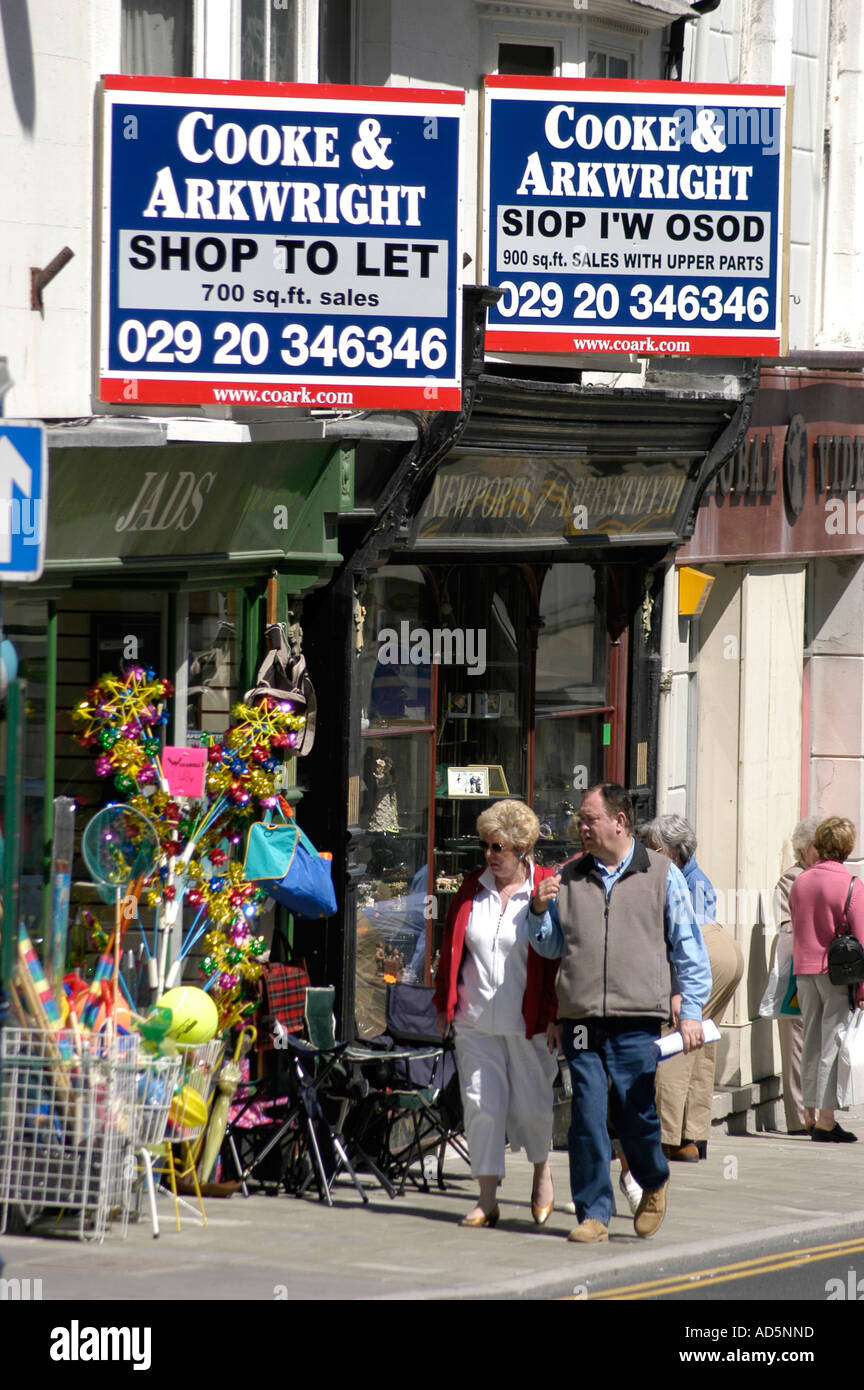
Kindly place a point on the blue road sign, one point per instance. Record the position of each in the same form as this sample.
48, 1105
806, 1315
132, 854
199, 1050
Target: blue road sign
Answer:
23, 500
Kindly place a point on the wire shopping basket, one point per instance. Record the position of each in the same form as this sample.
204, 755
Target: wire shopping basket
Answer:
156, 1086
157, 1079
67, 1127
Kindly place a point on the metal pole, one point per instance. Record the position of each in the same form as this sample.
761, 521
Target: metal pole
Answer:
15, 705
50, 751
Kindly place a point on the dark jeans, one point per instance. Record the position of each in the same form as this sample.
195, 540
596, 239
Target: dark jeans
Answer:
620, 1051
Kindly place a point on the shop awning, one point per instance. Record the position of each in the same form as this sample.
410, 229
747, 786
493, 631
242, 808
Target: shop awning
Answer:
547, 465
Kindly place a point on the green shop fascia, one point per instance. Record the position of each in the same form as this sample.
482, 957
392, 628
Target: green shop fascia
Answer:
172, 543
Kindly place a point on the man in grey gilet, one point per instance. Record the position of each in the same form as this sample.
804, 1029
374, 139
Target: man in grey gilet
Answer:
621, 919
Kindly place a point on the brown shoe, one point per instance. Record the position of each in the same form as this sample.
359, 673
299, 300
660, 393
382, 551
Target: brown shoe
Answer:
687, 1152
652, 1209
589, 1231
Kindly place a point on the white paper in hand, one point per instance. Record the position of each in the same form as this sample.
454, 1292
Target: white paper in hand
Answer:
673, 1043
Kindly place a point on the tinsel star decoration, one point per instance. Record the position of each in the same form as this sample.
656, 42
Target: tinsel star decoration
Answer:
120, 716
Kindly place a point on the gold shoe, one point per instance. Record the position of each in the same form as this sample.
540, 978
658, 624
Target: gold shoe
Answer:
541, 1214
484, 1219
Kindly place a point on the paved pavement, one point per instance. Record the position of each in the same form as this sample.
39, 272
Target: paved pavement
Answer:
761, 1188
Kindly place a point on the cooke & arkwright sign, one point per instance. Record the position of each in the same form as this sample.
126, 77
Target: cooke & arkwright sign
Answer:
278, 244
639, 217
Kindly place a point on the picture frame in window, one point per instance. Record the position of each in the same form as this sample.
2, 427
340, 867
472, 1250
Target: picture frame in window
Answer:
467, 782
459, 703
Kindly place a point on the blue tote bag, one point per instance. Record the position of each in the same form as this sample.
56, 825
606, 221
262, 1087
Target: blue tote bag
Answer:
286, 864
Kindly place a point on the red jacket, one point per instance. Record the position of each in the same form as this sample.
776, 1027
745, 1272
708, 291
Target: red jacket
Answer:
539, 1002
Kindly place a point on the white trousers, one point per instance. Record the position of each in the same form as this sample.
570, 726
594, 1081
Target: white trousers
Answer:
824, 1008
506, 1082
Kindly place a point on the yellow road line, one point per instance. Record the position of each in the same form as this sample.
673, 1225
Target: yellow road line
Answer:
741, 1269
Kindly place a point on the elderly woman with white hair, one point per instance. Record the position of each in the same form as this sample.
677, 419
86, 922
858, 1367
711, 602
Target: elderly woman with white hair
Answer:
500, 997
685, 1085
791, 1029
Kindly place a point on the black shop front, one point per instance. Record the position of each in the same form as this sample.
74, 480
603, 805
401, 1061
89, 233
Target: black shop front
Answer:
501, 640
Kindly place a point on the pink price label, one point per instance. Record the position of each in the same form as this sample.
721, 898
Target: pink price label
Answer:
184, 770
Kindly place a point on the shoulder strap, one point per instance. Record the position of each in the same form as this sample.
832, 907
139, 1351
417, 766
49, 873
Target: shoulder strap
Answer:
844, 928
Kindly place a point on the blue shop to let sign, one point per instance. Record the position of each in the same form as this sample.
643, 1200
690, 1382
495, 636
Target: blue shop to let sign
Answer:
277, 244
638, 217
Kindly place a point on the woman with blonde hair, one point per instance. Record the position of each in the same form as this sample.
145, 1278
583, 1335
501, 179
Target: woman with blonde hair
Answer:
819, 900
499, 995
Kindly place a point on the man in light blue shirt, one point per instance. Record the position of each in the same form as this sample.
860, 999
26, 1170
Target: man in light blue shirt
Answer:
622, 922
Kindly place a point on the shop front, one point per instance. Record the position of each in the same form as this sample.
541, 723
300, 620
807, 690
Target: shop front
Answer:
169, 555
506, 644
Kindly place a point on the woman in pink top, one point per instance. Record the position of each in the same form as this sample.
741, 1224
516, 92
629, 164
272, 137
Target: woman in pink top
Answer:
817, 900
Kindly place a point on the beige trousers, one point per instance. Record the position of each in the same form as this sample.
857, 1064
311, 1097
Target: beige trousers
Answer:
824, 1009
791, 1034
685, 1084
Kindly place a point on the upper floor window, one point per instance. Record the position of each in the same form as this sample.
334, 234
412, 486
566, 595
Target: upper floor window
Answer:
156, 37
253, 40
267, 42
335, 27
603, 62
526, 59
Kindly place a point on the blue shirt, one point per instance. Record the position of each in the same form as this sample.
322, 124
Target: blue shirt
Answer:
702, 893
688, 958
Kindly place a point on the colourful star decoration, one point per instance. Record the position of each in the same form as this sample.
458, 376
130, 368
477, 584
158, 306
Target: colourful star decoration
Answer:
202, 841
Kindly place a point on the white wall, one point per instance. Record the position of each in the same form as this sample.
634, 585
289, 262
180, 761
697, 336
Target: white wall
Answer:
53, 54
751, 642
837, 695
842, 321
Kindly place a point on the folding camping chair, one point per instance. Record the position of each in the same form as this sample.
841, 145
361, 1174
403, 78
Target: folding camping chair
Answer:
426, 1113
398, 1096
295, 1127
359, 1085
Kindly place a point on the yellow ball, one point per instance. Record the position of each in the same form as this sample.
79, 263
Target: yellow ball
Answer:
194, 1015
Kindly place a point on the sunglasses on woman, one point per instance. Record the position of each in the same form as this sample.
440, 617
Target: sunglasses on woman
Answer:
493, 845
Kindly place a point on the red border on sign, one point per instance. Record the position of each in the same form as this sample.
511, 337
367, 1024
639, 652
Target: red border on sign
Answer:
208, 86
134, 390
725, 346
610, 84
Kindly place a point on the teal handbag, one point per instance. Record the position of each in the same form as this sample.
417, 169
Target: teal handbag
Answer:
284, 861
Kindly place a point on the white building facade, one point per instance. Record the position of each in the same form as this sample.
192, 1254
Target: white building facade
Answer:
761, 709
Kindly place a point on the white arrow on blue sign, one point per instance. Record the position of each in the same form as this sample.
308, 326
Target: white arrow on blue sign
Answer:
23, 500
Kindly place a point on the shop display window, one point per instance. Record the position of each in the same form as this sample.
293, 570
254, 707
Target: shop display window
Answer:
572, 718
393, 903
481, 748
449, 685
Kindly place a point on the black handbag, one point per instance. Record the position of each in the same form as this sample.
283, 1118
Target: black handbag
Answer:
845, 952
